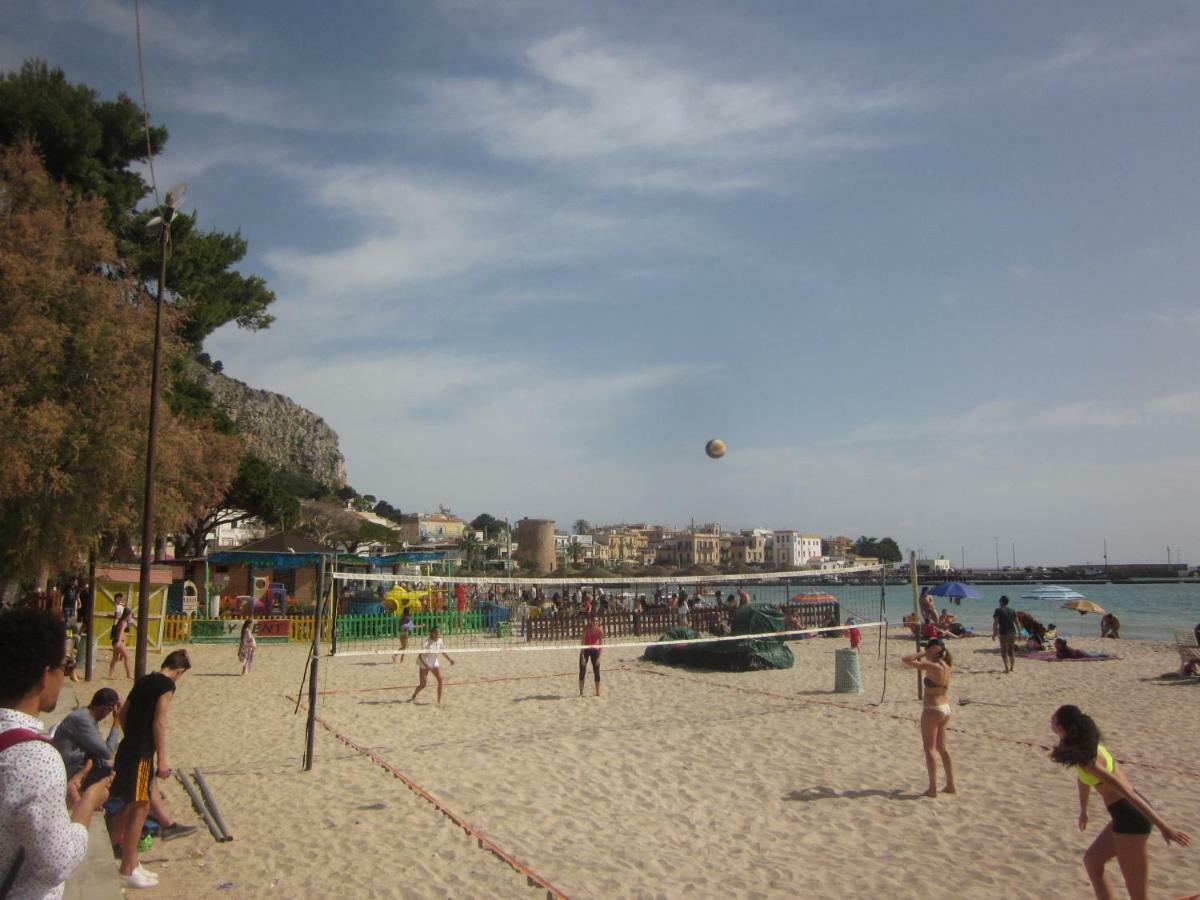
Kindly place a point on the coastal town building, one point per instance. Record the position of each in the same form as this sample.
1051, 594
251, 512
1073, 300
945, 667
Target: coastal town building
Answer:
423, 528
574, 549
690, 548
749, 548
620, 543
243, 529
837, 547
793, 549
939, 566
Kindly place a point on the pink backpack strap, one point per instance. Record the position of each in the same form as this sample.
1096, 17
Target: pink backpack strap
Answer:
15, 736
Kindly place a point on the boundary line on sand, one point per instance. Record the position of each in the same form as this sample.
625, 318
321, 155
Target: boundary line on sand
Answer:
532, 878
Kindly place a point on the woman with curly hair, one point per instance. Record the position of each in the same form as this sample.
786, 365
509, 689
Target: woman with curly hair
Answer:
1127, 835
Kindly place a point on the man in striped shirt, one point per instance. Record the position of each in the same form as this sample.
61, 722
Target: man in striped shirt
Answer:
41, 841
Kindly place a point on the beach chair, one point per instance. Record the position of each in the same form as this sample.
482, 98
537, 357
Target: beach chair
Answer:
1189, 650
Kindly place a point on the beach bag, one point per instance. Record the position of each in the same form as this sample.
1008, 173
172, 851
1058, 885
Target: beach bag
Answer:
11, 738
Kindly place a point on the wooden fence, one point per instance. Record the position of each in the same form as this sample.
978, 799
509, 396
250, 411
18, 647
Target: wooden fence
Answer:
655, 620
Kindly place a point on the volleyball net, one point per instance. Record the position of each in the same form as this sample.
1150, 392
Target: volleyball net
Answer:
384, 613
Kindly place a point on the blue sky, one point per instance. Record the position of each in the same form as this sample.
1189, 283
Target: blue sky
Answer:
929, 272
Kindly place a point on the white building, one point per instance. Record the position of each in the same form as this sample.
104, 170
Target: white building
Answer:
793, 549
564, 542
242, 530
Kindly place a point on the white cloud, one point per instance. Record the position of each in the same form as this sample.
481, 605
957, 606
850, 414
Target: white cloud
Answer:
189, 37
1089, 56
417, 227
1182, 404
633, 120
242, 102
1083, 415
496, 430
996, 417
1174, 319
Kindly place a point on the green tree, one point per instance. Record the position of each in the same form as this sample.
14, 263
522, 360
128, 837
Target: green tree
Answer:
471, 550
387, 511
260, 489
90, 144
889, 550
492, 528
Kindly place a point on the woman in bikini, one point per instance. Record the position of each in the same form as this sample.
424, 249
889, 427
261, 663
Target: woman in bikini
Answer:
934, 663
120, 631
1126, 837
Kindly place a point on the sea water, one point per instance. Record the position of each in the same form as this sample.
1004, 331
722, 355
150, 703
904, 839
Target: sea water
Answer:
1147, 611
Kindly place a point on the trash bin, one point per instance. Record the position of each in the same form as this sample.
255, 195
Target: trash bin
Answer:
847, 678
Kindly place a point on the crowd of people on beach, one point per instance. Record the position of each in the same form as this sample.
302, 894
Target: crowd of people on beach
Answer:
49, 789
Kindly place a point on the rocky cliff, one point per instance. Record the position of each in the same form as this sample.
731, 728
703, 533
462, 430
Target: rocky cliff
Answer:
277, 429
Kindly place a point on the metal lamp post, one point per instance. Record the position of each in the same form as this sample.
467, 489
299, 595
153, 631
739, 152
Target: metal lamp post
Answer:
161, 225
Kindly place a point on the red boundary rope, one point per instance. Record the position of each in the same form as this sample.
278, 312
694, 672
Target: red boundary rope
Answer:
485, 843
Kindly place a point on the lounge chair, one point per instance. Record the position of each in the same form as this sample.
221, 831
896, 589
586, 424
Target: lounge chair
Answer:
1189, 650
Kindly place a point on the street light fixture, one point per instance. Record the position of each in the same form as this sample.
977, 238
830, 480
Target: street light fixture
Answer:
160, 227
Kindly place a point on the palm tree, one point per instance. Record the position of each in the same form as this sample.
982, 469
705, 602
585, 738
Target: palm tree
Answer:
470, 549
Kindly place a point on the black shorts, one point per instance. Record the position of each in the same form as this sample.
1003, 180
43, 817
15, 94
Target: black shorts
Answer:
1127, 819
594, 655
134, 779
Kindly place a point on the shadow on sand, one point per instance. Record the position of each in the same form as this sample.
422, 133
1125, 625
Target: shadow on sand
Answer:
1171, 679
806, 795
539, 697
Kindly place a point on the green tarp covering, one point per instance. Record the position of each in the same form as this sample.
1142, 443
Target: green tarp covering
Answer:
730, 656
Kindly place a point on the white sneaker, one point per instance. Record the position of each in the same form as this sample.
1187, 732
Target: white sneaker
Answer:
139, 879
153, 876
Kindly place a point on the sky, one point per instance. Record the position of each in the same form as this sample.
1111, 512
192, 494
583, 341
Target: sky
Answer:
930, 272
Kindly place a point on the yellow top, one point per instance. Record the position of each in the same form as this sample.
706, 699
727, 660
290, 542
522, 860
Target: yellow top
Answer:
1092, 780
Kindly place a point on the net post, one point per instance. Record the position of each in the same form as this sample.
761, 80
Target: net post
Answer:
882, 608
912, 577
333, 611
311, 728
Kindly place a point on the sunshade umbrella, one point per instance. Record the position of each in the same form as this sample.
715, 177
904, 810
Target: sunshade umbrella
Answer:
955, 589
1054, 593
1083, 607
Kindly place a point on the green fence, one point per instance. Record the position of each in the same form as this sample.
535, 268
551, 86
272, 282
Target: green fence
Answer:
375, 628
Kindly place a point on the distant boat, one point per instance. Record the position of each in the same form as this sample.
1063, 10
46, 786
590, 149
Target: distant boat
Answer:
813, 598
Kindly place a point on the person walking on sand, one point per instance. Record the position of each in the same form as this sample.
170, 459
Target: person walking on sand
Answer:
1127, 836
120, 631
406, 630
593, 637
935, 663
246, 646
428, 661
1004, 626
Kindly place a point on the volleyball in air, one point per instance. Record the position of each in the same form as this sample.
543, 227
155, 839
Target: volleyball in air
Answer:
715, 448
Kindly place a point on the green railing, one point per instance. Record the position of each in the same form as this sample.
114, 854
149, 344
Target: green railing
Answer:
374, 628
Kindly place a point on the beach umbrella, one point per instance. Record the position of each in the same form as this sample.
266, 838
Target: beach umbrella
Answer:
955, 589
1053, 593
1083, 607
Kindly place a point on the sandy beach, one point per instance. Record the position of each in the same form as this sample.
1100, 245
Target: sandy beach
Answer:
675, 783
